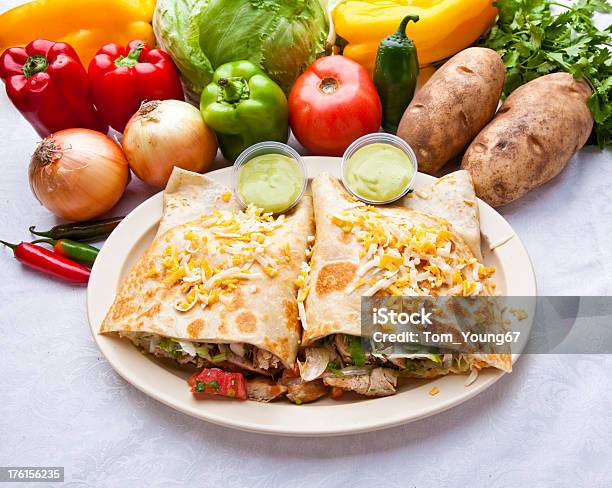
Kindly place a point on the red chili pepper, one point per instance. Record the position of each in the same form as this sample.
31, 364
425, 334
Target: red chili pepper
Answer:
48, 84
124, 77
41, 259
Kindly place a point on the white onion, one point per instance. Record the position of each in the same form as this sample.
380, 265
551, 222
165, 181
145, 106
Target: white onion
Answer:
354, 371
317, 359
78, 174
165, 134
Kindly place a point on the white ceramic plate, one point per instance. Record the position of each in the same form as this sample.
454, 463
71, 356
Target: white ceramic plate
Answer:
166, 382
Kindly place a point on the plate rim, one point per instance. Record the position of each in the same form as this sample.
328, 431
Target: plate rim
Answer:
133, 225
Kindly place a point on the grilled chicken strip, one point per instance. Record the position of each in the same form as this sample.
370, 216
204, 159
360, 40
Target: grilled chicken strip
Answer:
265, 360
263, 389
380, 382
244, 363
341, 343
306, 392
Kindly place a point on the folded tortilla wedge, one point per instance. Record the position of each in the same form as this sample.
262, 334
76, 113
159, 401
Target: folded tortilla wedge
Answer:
216, 286
452, 198
371, 251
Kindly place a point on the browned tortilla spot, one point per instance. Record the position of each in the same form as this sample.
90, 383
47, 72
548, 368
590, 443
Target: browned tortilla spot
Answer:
150, 294
236, 301
195, 327
124, 307
279, 348
345, 237
223, 328
330, 328
149, 313
291, 313
246, 321
335, 277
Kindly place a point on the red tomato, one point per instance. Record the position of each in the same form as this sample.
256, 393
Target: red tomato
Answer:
333, 103
337, 393
291, 376
214, 381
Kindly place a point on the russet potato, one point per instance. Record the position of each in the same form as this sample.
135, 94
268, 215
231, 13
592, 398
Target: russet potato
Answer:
537, 130
453, 106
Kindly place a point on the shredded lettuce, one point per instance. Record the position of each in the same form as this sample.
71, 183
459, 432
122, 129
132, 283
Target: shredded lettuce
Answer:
357, 354
436, 358
203, 351
334, 367
168, 345
219, 357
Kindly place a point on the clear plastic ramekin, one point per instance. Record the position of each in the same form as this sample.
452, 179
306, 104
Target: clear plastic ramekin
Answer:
268, 147
379, 138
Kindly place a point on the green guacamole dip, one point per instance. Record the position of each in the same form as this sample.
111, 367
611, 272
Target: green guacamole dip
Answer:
270, 181
379, 172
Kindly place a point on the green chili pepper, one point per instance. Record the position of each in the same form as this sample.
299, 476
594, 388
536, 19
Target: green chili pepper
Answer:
244, 107
81, 231
72, 249
396, 74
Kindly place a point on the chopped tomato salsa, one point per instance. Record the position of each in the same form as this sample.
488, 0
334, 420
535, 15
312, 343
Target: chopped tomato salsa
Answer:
290, 375
215, 381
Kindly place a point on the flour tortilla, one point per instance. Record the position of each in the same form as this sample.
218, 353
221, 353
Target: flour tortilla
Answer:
188, 195
335, 260
452, 198
266, 318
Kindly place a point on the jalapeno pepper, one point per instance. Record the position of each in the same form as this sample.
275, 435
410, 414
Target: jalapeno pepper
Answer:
396, 74
72, 249
81, 231
48, 262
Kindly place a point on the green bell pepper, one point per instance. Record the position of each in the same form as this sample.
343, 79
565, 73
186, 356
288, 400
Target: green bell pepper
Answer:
244, 107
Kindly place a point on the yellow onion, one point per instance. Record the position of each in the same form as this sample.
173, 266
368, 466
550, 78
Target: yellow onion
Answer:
165, 134
78, 174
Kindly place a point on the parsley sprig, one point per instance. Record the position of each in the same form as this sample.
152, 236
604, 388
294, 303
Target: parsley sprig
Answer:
537, 37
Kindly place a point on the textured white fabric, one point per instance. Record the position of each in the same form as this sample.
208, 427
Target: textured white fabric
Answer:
547, 424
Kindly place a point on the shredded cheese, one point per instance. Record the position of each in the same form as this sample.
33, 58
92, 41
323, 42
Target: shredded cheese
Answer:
402, 258
243, 239
302, 283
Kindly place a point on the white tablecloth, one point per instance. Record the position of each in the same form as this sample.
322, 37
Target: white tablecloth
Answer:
63, 405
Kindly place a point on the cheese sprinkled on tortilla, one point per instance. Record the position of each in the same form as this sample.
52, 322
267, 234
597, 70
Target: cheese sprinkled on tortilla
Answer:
242, 238
409, 259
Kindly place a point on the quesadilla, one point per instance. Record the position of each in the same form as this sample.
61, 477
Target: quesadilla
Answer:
216, 286
362, 250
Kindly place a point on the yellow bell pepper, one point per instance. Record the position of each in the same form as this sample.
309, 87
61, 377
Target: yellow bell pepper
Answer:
84, 24
445, 27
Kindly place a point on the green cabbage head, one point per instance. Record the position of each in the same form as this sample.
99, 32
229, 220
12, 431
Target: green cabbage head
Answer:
282, 36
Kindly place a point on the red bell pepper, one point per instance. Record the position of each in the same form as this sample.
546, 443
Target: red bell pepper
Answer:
124, 77
215, 381
48, 84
